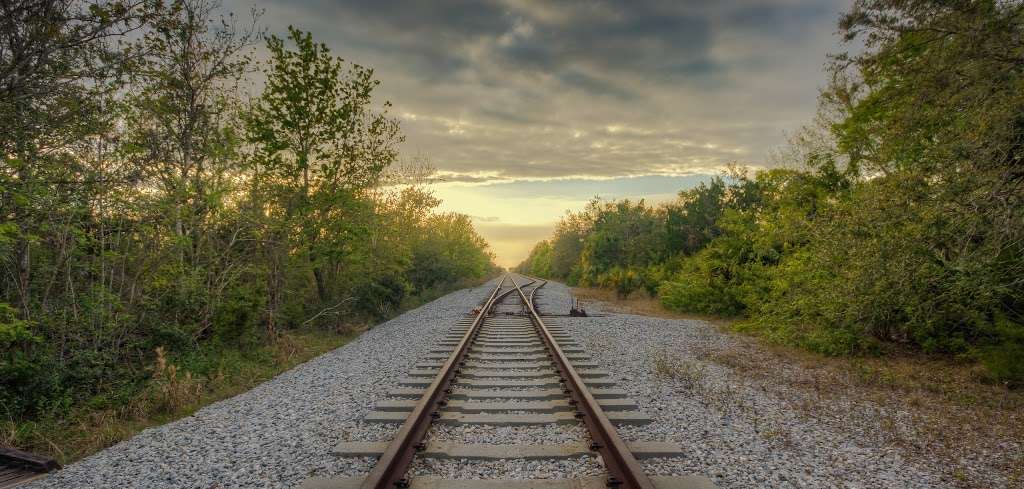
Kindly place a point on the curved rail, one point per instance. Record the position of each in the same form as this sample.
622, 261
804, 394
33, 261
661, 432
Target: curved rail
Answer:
394, 462
624, 470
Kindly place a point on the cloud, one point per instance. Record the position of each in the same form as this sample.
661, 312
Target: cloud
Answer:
530, 107
529, 89
499, 91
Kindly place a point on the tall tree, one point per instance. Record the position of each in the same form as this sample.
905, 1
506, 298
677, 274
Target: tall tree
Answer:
319, 143
181, 114
57, 71
182, 129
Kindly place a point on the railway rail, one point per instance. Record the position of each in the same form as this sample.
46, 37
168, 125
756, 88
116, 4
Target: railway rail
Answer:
503, 366
17, 467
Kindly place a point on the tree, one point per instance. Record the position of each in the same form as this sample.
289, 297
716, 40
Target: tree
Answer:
182, 133
448, 248
147, 216
567, 243
538, 262
57, 73
180, 111
623, 234
318, 145
313, 125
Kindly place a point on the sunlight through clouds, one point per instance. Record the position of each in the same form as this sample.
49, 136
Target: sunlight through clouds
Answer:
507, 91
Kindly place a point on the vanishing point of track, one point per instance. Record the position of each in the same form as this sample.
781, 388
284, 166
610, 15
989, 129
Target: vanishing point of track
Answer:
503, 366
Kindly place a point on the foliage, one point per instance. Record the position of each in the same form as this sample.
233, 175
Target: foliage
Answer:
148, 215
903, 227
538, 262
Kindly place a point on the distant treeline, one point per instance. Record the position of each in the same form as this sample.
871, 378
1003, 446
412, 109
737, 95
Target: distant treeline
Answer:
895, 220
153, 198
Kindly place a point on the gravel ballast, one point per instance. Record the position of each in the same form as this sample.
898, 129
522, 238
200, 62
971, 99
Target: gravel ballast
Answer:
730, 431
284, 431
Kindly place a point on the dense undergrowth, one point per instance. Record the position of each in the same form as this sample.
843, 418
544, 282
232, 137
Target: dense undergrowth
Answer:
177, 384
174, 387
170, 234
894, 222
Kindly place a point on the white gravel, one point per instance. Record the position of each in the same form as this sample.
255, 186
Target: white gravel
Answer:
510, 435
733, 433
508, 469
283, 431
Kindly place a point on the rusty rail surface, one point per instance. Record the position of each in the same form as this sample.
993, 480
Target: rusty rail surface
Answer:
394, 463
624, 470
17, 466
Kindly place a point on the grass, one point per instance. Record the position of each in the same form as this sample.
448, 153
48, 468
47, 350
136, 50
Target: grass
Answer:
642, 304
171, 394
180, 386
688, 372
930, 408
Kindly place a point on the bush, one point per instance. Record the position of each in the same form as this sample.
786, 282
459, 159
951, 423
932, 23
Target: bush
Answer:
1004, 357
693, 293
29, 381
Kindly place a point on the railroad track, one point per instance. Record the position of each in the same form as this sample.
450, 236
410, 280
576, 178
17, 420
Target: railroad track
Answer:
503, 367
17, 467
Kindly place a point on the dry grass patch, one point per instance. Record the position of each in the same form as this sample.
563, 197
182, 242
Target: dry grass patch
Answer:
932, 409
638, 303
688, 372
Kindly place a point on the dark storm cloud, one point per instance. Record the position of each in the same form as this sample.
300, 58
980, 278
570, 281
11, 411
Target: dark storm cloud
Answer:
447, 19
629, 38
538, 89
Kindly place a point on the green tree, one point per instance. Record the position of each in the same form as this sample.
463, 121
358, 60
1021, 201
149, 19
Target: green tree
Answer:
691, 222
57, 75
183, 136
318, 145
567, 243
538, 262
449, 249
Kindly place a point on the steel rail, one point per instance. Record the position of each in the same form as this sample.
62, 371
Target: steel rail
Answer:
17, 467
624, 470
394, 462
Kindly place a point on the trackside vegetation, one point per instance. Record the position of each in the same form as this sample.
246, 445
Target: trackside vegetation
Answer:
172, 232
894, 221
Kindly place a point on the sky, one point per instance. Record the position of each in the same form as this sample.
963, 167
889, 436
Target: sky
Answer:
530, 108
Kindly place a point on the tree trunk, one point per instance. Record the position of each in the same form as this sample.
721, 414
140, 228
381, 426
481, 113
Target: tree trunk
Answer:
321, 287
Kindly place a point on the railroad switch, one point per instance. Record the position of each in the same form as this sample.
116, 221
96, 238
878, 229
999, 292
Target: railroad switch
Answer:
577, 311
